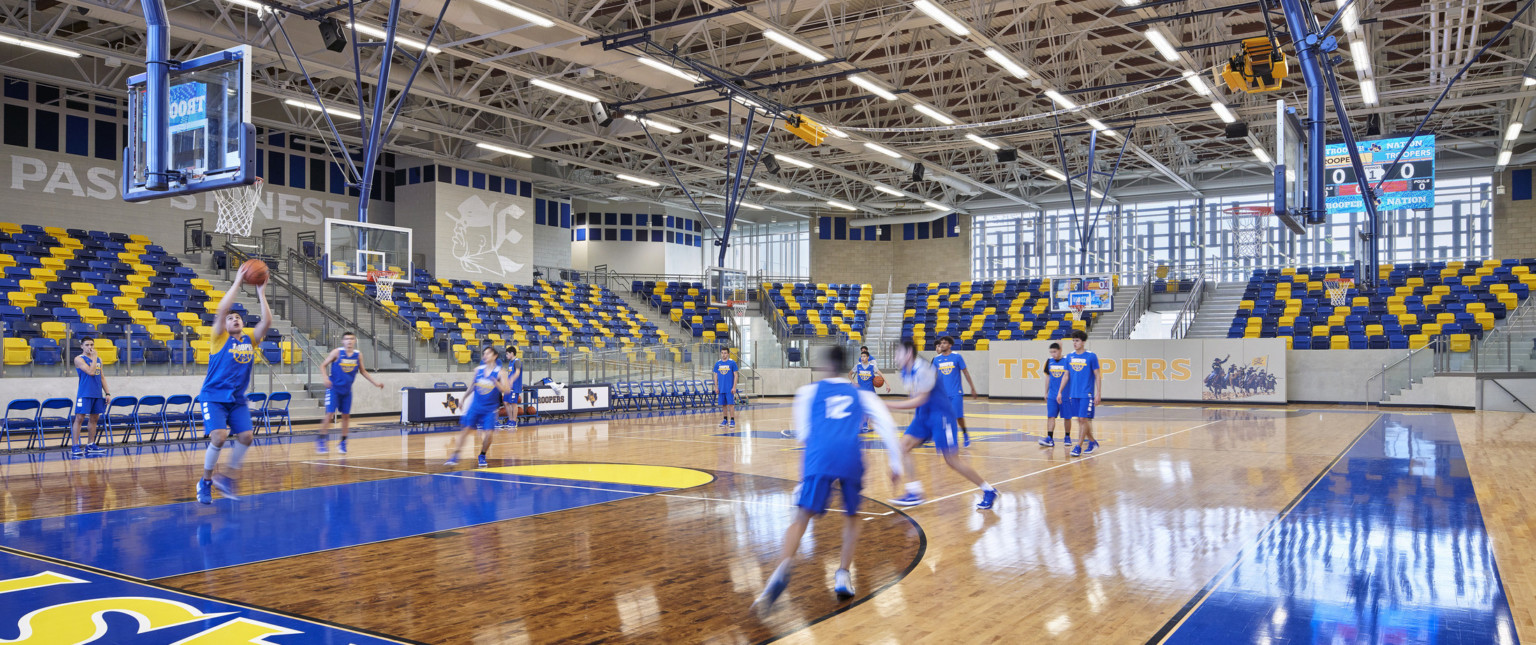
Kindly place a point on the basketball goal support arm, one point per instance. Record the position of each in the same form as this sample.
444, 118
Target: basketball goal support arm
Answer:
157, 95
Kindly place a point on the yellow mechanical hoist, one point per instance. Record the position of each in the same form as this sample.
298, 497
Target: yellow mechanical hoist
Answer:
1260, 67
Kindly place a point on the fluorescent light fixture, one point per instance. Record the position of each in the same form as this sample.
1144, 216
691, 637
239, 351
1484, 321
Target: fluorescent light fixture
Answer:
664, 127
778, 189
983, 142
556, 87
1350, 20
1528, 82
836, 132
505, 151
934, 114
1514, 131
1503, 159
1164, 47
883, 150
794, 162
1063, 101
872, 87
751, 206
809, 52
1055, 174
346, 114
942, 17
253, 5
890, 191
519, 12
936, 206
1222, 111
639, 180
1098, 125
408, 43
1093, 192
32, 44
1368, 91
1263, 156
730, 142
1006, 63
1362, 58
1197, 83
837, 204
663, 67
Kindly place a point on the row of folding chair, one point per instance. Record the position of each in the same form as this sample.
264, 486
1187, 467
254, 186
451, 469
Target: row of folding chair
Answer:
663, 395
128, 417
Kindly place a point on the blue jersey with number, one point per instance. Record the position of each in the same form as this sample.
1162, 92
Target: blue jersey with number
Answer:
229, 368
835, 416
1055, 369
1082, 366
864, 377
948, 368
487, 392
90, 380
725, 375
344, 370
514, 370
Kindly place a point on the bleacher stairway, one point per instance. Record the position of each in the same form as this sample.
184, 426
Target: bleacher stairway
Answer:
1215, 315
885, 319
1105, 325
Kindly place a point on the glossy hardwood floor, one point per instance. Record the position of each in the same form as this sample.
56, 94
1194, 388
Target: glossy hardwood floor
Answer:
1117, 547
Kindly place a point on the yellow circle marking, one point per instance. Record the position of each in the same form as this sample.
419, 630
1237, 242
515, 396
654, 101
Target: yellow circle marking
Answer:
631, 474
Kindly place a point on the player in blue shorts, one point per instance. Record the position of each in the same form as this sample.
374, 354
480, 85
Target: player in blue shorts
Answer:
483, 398
865, 372
90, 398
725, 385
1081, 391
224, 406
341, 367
1055, 374
829, 416
950, 367
514, 397
933, 418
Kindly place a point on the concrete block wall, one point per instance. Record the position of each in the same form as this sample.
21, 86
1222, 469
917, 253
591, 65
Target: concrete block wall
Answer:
896, 263
1514, 222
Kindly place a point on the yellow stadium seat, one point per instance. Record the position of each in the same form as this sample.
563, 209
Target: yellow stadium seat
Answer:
200, 350
108, 353
1374, 330
1418, 341
1461, 342
34, 286
55, 330
21, 299
1338, 342
161, 333
93, 316
17, 351
1431, 329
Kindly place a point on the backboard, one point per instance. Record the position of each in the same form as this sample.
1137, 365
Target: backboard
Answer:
1290, 167
353, 248
726, 286
212, 141
1091, 292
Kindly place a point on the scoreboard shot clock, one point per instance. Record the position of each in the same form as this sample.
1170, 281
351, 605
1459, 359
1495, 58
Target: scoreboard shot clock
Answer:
1409, 185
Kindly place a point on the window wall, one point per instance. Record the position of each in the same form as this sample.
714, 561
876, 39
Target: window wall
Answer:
778, 249
1129, 238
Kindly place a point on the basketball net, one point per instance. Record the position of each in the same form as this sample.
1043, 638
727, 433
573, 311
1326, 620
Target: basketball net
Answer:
383, 288
1247, 226
237, 208
738, 308
1077, 311
1338, 290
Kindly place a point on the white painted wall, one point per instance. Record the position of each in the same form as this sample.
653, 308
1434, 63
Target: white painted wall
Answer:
482, 235
551, 245
623, 257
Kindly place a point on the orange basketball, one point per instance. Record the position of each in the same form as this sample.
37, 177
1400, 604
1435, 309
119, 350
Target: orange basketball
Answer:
879, 381
255, 272
530, 410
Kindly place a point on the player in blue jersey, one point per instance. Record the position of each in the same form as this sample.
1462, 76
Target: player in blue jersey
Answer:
1081, 391
225, 414
514, 397
482, 399
829, 416
950, 367
90, 398
933, 418
865, 372
341, 367
1055, 374
725, 386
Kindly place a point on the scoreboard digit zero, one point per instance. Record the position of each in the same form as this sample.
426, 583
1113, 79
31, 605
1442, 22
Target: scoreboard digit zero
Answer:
1411, 184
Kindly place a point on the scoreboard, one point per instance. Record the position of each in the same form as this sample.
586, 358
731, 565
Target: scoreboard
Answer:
1411, 185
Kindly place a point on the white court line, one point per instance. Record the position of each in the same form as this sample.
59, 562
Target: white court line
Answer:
606, 490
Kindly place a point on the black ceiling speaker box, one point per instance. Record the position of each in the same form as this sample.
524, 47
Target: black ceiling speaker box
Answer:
1373, 125
771, 164
1237, 130
333, 35
917, 172
1007, 155
602, 115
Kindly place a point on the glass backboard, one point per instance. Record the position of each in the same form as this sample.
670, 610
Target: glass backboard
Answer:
212, 141
1291, 160
726, 286
1091, 292
352, 249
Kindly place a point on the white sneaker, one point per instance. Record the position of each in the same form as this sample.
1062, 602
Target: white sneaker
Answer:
843, 585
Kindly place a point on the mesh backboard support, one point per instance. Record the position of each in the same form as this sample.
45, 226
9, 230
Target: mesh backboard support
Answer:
354, 248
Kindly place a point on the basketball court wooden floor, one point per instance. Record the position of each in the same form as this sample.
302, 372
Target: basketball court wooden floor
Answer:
1189, 525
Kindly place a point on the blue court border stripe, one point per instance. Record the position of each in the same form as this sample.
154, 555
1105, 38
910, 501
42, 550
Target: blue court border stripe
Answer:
1178, 617
195, 594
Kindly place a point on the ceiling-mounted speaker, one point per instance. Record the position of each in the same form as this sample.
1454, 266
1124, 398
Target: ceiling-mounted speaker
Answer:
333, 35
602, 114
1237, 130
1373, 125
1007, 155
918, 171
771, 164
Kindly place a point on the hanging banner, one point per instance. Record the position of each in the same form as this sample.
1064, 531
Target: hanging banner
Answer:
1412, 184
1230, 370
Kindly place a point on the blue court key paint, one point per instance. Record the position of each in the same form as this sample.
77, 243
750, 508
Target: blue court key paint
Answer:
1389, 547
161, 541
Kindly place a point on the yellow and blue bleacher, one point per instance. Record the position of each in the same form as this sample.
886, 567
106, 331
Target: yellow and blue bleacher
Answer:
822, 309
559, 318
1177, 285
1412, 304
978, 312
61, 283
685, 303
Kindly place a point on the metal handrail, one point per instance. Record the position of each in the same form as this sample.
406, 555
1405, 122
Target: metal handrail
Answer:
1385, 368
1186, 317
1139, 306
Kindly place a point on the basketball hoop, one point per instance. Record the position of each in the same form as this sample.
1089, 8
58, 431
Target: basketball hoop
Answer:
383, 287
738, 308
1248, 228
1077, 311
237, 208
1338, 290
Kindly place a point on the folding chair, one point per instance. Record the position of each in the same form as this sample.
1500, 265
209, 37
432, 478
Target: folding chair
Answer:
119, 413
150, 411
14, 423
46, 421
